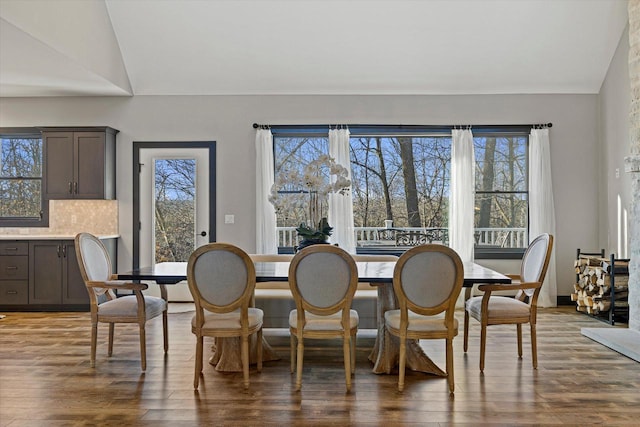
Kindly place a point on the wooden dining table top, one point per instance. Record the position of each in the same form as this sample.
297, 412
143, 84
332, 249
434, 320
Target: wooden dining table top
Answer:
369, 271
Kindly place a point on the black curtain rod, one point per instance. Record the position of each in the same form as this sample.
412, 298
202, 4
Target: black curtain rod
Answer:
548, 125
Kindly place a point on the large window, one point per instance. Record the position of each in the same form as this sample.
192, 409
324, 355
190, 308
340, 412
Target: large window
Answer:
400, 183
21, 198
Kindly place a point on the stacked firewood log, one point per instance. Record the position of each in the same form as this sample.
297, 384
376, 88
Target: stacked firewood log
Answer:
593, 285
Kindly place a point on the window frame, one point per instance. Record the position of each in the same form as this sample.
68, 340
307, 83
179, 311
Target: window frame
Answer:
421, 130
43, 220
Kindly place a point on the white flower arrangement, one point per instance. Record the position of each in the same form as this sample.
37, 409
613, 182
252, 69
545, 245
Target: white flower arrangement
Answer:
310, 190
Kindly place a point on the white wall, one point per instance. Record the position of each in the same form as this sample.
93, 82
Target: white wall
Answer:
228, 119
615, 191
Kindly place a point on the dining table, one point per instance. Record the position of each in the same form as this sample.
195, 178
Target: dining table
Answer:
384, 355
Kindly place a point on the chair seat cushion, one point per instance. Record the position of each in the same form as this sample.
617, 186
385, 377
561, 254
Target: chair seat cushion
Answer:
418, 322
127, 306
230, 321
499, 307
331, 322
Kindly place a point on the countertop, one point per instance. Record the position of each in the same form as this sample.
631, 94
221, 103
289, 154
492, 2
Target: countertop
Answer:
51, 236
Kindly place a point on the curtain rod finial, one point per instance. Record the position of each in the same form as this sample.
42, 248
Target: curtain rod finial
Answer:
256, 126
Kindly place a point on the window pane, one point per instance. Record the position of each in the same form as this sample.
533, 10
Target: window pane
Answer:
175, 209
501, 220
20, 198
404, 179
501, 163
292, 154
20, 157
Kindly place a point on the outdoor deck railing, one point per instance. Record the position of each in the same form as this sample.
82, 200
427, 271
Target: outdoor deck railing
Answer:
409, 236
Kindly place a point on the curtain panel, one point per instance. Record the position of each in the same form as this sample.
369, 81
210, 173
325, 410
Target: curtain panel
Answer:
542, 217
266, 239
462, 194
341, 205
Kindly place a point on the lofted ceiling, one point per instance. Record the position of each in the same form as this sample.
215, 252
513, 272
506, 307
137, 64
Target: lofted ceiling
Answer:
212, 47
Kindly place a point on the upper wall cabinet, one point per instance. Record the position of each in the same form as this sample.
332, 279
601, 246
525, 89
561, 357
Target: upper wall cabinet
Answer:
79, 162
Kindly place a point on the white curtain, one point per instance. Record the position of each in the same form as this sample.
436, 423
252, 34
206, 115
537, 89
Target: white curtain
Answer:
341, 206
266, 242
462, 189
542, 217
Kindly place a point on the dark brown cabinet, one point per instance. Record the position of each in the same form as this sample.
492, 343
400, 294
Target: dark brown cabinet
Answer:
79, 163
54, 275
14, 273
43, 275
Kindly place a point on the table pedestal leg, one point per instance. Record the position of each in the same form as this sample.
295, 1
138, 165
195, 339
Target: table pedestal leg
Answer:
227, 354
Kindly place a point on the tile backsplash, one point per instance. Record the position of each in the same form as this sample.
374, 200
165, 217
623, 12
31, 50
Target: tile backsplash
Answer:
68, 217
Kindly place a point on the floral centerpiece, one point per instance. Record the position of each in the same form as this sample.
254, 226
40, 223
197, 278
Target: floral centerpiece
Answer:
307, 191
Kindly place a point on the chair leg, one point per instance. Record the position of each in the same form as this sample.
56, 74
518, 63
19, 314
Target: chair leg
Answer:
94, 342
483, 345
450, 379
292, 350
299, 364
353, 354
466, 331
165, 330
111, 328
199, 345
403, 361
143, 347
259, 350
245, 360
519, 330
346, 352
534, 346
387, 349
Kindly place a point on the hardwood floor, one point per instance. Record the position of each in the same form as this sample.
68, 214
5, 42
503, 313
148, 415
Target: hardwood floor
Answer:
45, 379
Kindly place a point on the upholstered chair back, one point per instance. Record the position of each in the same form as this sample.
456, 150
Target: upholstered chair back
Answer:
324, 277
221, 277
428, 279
95, 265
536, 260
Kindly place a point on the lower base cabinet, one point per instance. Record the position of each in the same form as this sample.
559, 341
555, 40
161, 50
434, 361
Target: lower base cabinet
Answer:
54, 275
43, 275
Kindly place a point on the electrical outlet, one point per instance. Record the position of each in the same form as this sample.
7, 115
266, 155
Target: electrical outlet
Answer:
617, 172
73, 219
229, 219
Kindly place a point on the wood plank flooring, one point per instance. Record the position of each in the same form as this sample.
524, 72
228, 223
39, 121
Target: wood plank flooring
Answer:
45, 379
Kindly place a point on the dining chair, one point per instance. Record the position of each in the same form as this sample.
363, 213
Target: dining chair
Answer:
106, 307
323, 280
222, 279
427, 280
491, 309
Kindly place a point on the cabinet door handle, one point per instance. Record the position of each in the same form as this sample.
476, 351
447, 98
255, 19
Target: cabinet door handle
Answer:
64, 251
75, 187
70, 187
58, 251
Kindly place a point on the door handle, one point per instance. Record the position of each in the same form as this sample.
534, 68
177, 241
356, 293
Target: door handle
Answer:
204, 233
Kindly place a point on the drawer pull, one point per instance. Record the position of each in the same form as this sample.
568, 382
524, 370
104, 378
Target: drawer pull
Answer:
12, 267
12, 292
10, 249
